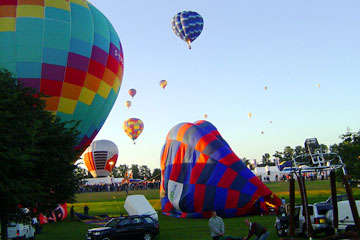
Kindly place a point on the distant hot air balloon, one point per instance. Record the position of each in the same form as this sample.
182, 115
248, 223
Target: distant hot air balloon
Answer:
133, 128
270, 122
187, 25
163, 83
132, 92
100, 157
200, 173
70, 52
262, 132
128, 104
249, 115
205, 116
318, 85
265, 88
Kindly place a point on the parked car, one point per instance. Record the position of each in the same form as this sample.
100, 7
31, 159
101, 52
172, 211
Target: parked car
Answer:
317, 212
339, 198
127, 227
345, 217
20, 231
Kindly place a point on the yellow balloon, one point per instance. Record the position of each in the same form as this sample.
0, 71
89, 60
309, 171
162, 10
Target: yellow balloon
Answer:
128, 104
249, 115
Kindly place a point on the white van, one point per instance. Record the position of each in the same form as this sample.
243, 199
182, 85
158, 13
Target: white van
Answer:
346, 220
20, 231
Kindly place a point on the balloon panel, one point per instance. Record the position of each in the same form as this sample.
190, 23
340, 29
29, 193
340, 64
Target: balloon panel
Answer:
67, 50
201, 173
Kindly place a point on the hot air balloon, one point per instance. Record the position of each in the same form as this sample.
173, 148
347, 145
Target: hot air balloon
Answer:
262, 132
133, 128
128, 104
163, 83
187, 25
270, 122
249, 115
205, 116
67, 50
265, 88
318, 85
100, 157
132, 92
201, 173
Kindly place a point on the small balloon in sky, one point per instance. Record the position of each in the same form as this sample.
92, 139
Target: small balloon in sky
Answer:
265, 88
128, 104
132, 92
318, 85
270, 122
187, 25
163, 83
205, 116
249, 115
262, 132
133, 127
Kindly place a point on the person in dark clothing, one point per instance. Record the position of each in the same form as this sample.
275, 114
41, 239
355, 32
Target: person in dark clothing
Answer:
86, 210
72, 212
256, 229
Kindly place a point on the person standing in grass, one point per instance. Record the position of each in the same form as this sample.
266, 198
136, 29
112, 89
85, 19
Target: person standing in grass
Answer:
256, 229
216, 225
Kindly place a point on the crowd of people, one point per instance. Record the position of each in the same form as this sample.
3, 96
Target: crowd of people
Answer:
118, 187
285, 177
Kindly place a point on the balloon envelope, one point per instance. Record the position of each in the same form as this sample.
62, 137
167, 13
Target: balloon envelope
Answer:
187, 25
163, 83
133, 127
100, 157
132, 92
70, 52
128, 104
201, 173
249, 114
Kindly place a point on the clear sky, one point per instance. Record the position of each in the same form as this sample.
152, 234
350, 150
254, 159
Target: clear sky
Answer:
288, 46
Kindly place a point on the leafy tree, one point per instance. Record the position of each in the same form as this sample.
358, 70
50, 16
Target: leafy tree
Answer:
299, 150
349, 150
135, 171
279, 155
36, 152
266, 159
122, 169
288, 153
156, 174
145, 171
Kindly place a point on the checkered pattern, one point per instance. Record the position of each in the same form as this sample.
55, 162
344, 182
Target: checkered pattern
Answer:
212, 176
133, 127
67, 50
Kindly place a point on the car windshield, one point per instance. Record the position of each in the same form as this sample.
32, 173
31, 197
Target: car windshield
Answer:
112, 223
322, 209
148, 220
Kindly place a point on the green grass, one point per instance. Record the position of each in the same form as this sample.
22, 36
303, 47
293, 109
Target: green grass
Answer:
175, 228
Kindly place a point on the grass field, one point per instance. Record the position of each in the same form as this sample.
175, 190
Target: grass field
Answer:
111, 203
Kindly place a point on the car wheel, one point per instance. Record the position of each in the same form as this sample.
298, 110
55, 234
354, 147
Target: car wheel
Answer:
106, 238
280, 232
147, 236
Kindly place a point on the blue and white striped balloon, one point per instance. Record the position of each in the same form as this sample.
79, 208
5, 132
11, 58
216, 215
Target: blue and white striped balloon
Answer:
187, 25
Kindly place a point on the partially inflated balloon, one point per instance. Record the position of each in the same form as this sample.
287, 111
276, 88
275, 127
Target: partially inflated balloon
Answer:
128, 104
187, 25
67, 50
201, 173
100, 157
163, 83
133, 128
132, 92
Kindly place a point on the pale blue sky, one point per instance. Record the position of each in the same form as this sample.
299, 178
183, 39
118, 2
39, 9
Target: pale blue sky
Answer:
288, 46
